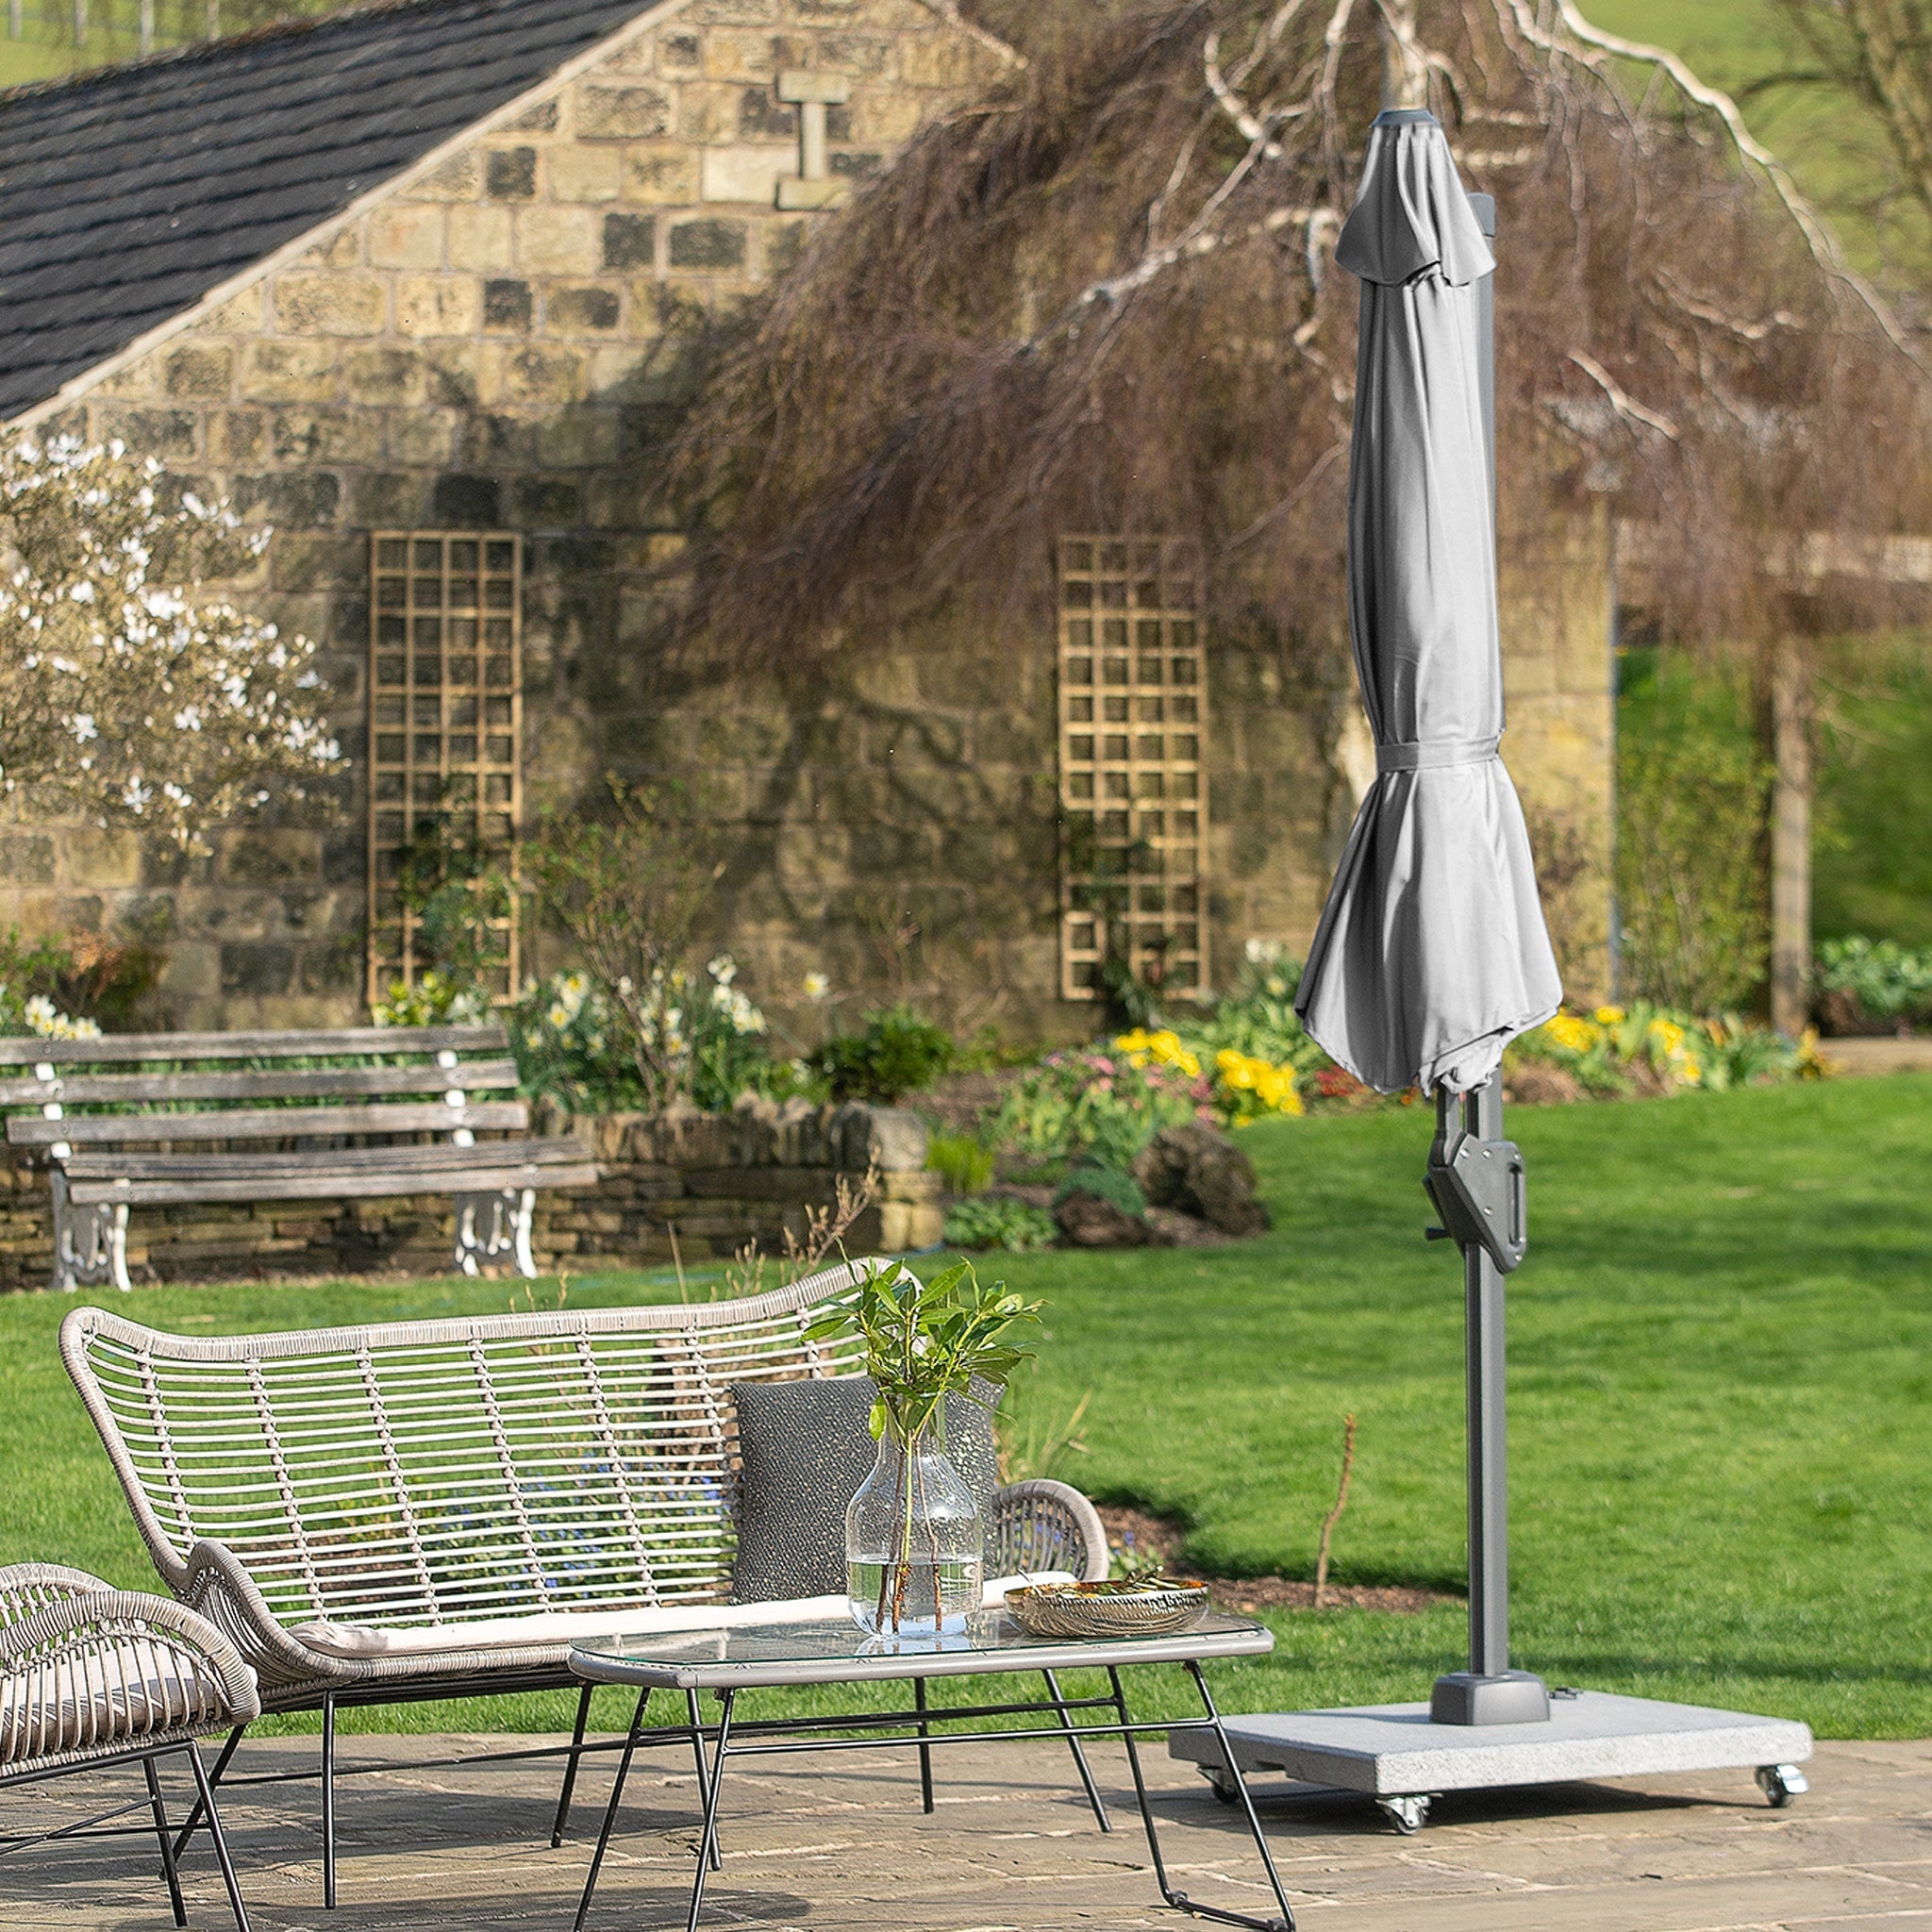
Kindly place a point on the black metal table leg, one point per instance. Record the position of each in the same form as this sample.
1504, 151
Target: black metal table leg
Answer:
697, 1751
708, 1843
219, 1838
630, 1745
570, 1768
1093, 1798
925, 1750
161, 1812
1179, 1899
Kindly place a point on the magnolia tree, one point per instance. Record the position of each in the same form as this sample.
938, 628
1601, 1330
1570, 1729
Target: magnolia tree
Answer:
123, 696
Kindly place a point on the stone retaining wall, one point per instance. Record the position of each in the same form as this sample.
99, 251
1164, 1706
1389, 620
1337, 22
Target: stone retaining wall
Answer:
721, 1181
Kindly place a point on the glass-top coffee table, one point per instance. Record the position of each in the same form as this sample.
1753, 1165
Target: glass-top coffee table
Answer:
767, 1657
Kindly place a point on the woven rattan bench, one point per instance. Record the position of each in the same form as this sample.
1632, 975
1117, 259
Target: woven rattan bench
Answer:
441, 1508
134, 1119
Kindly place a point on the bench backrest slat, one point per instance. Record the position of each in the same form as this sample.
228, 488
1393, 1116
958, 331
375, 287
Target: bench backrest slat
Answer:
323, 1045
429, 1472
266, 1123
259, 1083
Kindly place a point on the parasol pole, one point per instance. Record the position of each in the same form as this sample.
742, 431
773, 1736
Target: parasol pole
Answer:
1475, 1178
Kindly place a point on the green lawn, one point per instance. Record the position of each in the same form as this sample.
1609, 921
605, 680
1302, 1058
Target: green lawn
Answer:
1722, 1351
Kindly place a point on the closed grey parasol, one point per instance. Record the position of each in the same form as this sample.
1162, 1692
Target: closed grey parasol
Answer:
1432, 953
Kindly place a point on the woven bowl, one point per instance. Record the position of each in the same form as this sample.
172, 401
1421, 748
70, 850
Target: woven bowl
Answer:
1158, 1608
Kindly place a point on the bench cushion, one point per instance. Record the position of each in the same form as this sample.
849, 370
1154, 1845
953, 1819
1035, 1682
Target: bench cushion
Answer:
566, 1627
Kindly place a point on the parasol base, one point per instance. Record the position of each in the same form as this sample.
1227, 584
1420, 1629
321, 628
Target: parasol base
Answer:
1511, 1697
1395, 1753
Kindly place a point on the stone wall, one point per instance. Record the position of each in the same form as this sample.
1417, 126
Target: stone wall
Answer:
721, 1182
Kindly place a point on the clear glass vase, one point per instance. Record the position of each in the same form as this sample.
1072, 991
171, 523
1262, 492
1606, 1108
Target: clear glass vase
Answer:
915, 1554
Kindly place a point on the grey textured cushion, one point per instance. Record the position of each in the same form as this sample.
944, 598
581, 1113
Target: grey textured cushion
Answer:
804, 1449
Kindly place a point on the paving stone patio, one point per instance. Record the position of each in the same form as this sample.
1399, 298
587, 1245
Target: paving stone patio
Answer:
839, 1843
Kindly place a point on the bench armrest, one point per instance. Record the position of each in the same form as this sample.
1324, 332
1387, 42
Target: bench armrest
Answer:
1045, 1525
219, 1588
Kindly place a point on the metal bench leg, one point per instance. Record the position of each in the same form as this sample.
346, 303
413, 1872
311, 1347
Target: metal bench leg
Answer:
925, 1750
1060, 1703
89, 1243
490, 1225
160, 1812
328, 1803
221, 1842
630, 1745
570, 1769
214, 1779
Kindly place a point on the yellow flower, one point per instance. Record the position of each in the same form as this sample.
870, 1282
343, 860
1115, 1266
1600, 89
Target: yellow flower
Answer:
1610, 1016
1576, 1034
1690, 1071
1668, 1035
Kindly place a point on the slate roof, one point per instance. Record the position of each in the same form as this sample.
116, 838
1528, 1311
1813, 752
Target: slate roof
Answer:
126, 195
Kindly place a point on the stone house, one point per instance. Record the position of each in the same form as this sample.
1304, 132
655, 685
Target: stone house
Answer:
402, 283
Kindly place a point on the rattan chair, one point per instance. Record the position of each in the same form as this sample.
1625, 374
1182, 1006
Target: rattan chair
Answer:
92, 1676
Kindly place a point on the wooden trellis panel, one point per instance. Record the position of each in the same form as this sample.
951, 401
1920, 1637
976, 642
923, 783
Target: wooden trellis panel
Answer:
1133, 795
445, 719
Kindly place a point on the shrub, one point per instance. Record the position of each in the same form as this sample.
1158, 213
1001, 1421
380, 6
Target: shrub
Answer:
1110, 1184
1097, 1104
1886, 980
69, 986
896, 1054
960, 1162
1000, 1222
1646, 1048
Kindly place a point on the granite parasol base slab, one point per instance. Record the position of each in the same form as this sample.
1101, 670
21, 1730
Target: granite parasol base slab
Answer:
1394, 1754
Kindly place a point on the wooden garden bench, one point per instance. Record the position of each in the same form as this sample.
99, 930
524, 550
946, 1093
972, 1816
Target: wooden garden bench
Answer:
441, 1508
134, 1119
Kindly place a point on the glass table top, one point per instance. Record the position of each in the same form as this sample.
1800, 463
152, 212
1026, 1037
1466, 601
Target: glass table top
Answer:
839, 1652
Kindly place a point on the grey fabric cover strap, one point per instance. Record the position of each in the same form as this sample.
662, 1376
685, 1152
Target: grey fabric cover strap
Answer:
1434, 758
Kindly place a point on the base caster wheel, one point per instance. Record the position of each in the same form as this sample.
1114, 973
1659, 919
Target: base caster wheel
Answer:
1218, 1781
1781, 1783
1407, 1815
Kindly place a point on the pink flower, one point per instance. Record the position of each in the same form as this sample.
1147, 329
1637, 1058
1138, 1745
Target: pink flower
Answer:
1103, 1063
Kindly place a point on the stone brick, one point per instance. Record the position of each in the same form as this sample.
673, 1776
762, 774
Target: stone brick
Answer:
304, 501
556, 240
165, 433
466, 375
289, 371
946, 61
581, 438
708, 244
680, 54
708, 111
510, 174
552, 502
582, 173
622, 113
384, 375
630, 241
440, 305
508, 305
344, 249
421, 438
344, 304
739, 57
479, 238
460, 178
578, 309
255, 967
666, 172
544, 373
884, 115
242, 313
27, 858
407, 236
733, 12
745, 174
384, 497
542, 119
856, 53
762, 116
200, 372
468, 502
322, 435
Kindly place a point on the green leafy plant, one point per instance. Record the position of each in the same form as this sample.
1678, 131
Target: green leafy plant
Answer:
72, 985
1097, 1104
1110, 1183
1000, 1222
896, 1054
924, 1342
1881, 978
961, 1162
